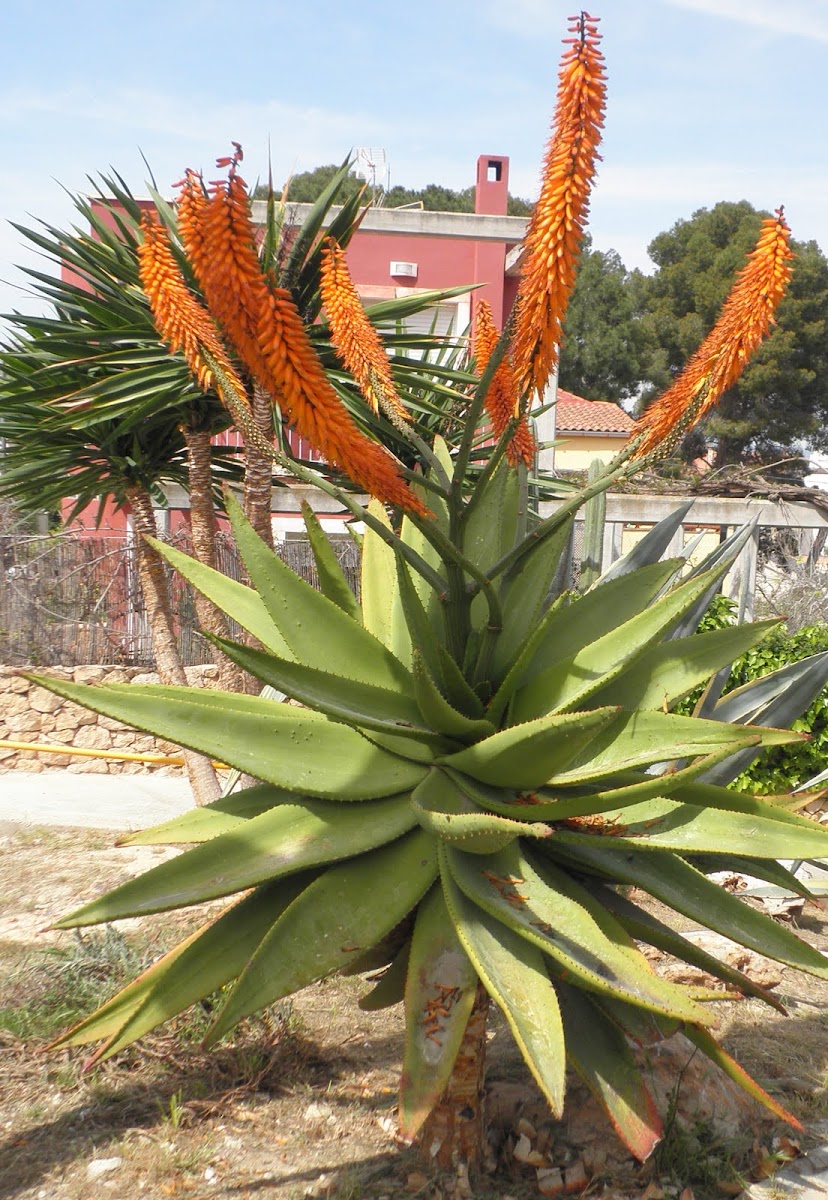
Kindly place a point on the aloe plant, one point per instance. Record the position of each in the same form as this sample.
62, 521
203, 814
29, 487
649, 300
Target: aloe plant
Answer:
478, 755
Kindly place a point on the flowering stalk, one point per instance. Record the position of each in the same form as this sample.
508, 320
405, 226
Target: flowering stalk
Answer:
557, 223
265, 326
501, 399
181, 320
746, 317
355, 339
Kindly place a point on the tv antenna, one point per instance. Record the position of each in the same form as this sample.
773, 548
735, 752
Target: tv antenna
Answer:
372, 165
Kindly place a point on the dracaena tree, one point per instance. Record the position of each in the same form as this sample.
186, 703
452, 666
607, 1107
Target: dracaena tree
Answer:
480, 754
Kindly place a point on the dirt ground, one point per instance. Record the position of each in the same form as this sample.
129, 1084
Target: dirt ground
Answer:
300, 1103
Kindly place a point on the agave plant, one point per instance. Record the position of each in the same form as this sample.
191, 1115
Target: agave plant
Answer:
479, 757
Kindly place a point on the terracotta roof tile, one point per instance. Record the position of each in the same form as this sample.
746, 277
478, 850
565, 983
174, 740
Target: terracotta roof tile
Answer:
576, 415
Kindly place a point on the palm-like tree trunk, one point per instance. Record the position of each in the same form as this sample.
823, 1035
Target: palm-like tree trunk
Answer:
258, 471
453, 1135
165, 645
203, 530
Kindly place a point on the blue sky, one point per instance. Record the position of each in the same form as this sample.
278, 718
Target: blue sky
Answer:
708, 100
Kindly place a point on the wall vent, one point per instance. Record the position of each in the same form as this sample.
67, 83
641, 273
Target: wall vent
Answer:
406, 270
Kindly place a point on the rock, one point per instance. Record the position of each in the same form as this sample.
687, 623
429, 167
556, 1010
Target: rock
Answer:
88, 674
44, 702
550, 1181
93, 737
11, 705
102, 1166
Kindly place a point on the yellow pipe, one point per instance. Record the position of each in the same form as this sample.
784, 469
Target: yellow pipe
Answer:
162, 759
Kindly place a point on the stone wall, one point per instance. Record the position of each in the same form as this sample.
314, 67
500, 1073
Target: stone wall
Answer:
31, 714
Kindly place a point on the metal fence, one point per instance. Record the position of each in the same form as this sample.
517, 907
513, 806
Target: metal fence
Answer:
68, 600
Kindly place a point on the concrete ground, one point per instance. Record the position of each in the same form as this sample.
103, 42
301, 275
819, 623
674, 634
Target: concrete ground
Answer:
91, 801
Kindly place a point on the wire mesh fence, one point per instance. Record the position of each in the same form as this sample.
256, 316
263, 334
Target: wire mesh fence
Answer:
68, 600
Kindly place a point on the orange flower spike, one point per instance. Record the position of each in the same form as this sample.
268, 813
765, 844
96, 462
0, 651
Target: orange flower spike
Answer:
182, 322
310, 402
501, 400
745, 319
355, 339
558, 220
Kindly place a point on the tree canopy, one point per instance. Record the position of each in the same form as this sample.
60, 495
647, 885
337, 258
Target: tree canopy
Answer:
603, 351
307, 186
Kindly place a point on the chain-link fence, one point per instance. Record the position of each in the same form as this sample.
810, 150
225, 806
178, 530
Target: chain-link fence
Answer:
68, 600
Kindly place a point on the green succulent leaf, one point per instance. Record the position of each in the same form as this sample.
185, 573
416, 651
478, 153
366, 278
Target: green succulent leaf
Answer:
601, 1055
439, 995
688, 891
382, 609
512, 971
527, 755
332, 580
438, 714
291, 747
335, 919
389, 989
205, 962
444, 809
674, 825
222, 816
281, 841
709, 1046
318, 633
576, 678
665, 674
547, 908
645, 927
348, 700
648, 551
632, 740
241, 603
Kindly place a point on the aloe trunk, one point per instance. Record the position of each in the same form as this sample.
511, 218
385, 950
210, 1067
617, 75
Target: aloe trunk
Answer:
258, 469
454, 1133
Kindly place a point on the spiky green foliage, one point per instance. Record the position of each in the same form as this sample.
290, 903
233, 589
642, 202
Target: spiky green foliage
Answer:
480, 756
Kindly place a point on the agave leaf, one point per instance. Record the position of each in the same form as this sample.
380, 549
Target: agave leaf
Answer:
644, 927
526, 756
438, 714
673, 825
635, 740
709, 1046
776, 699
332, 580
223, 815
282, 841
601, 1055
208, 961
720, 561
278, 743
444, 809
424, 633
242, 604
389, 989
512, 972
709, 795
439, 996
567, 629
683, 888
666, 673
458, 691
574, 679
382, 609
346, 700
318, 633
650, 548
335, 919
558, 917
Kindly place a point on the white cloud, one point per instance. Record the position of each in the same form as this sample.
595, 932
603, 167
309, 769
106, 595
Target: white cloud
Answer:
799, 18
